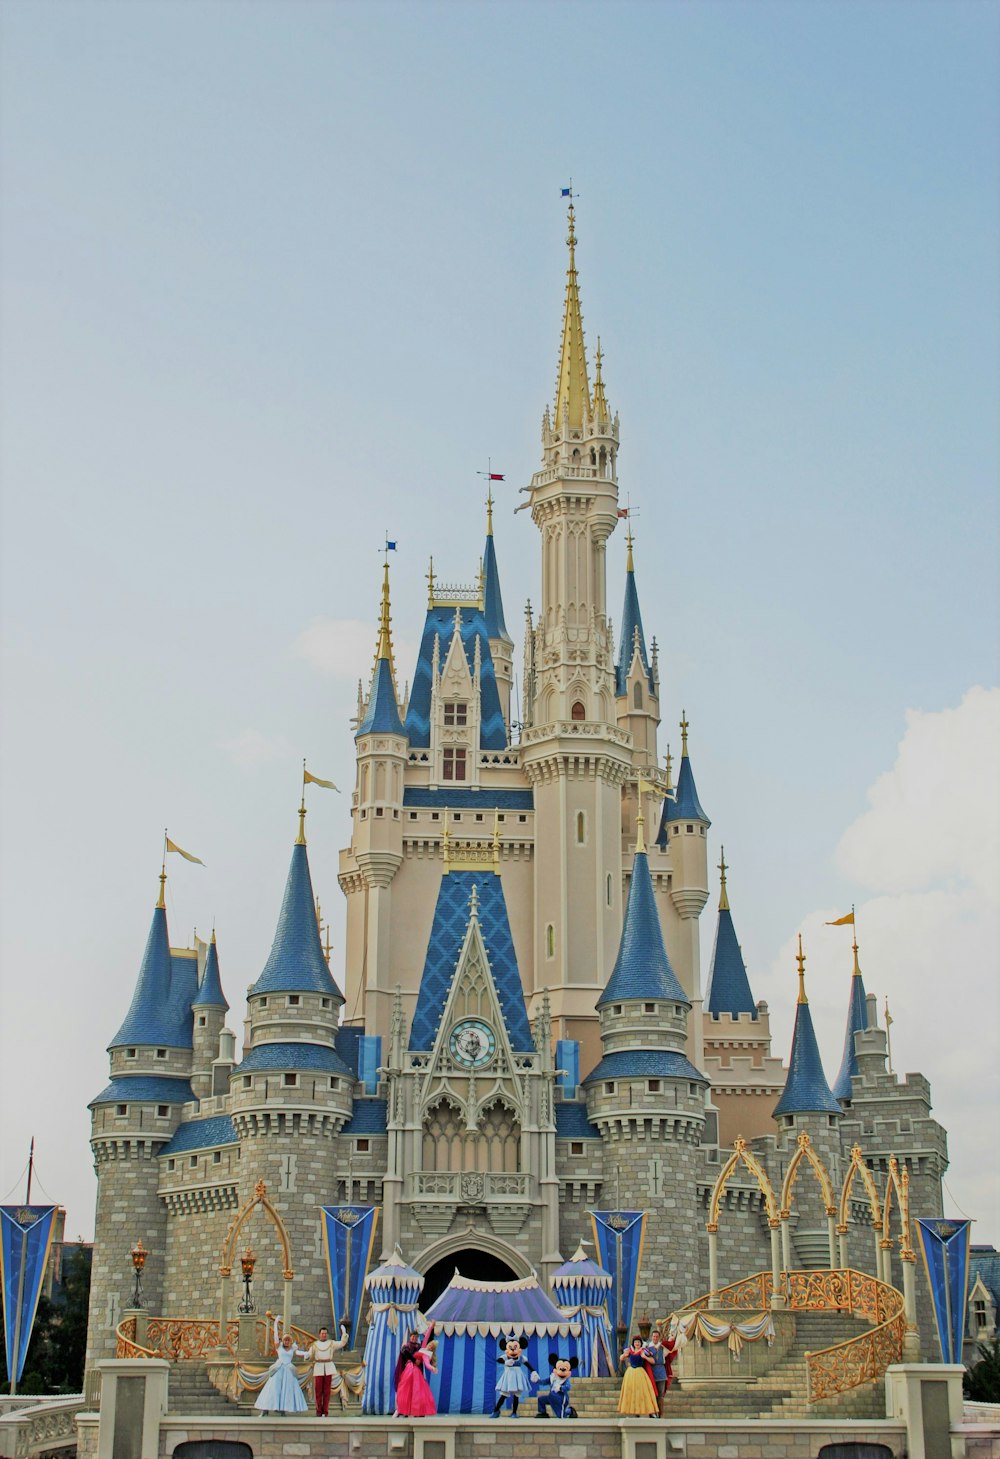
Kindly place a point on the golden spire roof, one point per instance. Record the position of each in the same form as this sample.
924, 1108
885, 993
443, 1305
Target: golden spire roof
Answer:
629, 564
669, 769
300, 839
599, 405
684, 733
160, 901
857, 965
800, 958
640, 823
723, 894
384, 649
572, 388
489, 511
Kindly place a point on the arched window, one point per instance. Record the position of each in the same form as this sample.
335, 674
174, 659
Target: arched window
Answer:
578, 711
637, 695
581, 828
550, 941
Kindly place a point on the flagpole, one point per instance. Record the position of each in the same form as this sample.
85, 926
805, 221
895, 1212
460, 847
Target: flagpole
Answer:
31, 1166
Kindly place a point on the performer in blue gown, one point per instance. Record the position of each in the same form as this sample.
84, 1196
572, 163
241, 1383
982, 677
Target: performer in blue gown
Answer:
282, 1393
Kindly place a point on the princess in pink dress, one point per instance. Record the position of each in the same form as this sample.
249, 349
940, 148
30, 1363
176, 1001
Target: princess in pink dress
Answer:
414, 1398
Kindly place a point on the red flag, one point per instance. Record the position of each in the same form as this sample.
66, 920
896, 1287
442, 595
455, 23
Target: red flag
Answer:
495, 476
623, 511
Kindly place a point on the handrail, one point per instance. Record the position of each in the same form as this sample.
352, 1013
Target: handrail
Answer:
125, 1344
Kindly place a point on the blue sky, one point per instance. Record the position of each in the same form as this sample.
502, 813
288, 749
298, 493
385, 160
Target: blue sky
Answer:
277, 278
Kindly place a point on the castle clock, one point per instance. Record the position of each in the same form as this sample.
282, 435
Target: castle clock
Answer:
473, 1043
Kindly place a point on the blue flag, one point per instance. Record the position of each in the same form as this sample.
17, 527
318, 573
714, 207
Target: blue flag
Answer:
389, 546
619, 1237
348, 1239
566, 192
945, 1247
25, 1238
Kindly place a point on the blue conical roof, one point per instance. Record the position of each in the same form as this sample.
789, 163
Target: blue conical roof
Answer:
642, 969
296, 963
210, 994
806, 1090
631, 625
685, 806
155, 1016
857, 1019
492, 601
382, 713
728, 984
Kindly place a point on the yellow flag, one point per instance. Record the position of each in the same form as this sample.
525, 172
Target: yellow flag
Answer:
847, 921
308, 779
645, 788
172, 846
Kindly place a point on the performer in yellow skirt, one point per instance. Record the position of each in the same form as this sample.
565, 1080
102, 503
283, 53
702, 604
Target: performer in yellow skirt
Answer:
638, 1395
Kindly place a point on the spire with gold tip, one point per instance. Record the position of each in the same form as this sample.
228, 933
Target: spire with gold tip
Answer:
382, 709
633, 638
492, 601
599, 411
728, 984
857, 1021
806, 1090
685, 805
572, 388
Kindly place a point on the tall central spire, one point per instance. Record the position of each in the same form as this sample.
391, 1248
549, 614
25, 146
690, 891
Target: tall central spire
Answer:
572, 386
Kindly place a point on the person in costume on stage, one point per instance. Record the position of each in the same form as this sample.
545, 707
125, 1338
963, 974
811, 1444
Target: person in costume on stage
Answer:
516, 1376
556, 1403
414, 1398
282, 1392
325, 1369
660, 1356
638, 1396
407, 1353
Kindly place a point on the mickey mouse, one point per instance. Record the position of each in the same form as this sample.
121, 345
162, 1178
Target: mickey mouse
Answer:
557, 1398
514, 1380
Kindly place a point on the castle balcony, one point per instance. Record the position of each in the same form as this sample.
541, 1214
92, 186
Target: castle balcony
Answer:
576, 729
437, 1197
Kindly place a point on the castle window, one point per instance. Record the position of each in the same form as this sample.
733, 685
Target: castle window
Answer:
324, 1003
161, 1053
289, 1080
576, 1147
617, 1008
379, 811
362, 1146
121, 1109
453, 767
216, 1157
457, 816
247, 1081
501, 818
581, 828
456, 713
637, 695
690, 829
130, 1053
550, 941
193, 1162
413, 815
979, 1314
609, 1087
479, 815
263, 1003
522, 819
202, 1020
334, 1082
677, 830
162, 1111
294, 1000
171, 1164
435, 815
578, 711
693, 1090
653, 1085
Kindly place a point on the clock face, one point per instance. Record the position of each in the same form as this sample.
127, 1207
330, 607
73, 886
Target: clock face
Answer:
473, 1043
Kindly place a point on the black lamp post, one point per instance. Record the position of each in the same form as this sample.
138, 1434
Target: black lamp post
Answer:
138, 1255
247, 1262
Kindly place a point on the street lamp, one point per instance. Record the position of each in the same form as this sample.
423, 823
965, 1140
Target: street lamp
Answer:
247, 1262
138, 1255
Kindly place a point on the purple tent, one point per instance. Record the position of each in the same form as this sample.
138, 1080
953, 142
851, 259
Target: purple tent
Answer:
581, 1287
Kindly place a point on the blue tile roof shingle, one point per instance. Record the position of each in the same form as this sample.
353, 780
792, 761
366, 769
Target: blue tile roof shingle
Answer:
451, 921
572, 1123
492, 601
318, 1057
145, 1089
642, 969
806, 1090
205, 1134
296, 963
367, 1118
728, 985
646, 1063
210, 994
160, 1011
631, 625
857, 1020
485, 799
440, 623
382, 712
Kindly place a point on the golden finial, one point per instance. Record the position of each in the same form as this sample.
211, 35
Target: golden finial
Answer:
723, 894
800, 958
489, 511
213, 935
160, 901
319, 918
327, 945
571, 237
640, 822
857, 965
668, 762
300, 839
384, 649
629, 564
684, 733
430, 585
599, 409
572, 389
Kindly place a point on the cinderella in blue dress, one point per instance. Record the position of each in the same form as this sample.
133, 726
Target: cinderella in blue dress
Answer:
282, 1393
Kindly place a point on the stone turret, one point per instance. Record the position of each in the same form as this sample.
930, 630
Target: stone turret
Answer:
683, 832
209, 1008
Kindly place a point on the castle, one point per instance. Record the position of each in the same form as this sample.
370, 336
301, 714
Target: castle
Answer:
522, 1031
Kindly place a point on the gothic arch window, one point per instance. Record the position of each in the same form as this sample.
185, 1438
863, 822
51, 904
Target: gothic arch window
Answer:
593, 457
444, 1137
604, 462
578, 711
576, 456
637, 695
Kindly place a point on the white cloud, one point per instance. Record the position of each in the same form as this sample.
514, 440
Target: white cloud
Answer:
928, 852
344, 648
250, 749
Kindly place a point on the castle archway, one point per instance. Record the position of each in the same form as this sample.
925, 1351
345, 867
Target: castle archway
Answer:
472, 1254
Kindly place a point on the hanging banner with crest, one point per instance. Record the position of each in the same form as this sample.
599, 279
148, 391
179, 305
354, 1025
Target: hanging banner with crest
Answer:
348, 1240
619, 1238
945, 1246
25, 1237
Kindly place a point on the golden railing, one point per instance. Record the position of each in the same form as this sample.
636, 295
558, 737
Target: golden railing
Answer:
861, 1359
125, 1343
178, 1338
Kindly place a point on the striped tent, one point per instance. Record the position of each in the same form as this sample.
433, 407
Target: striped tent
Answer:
472, 1319
581, 1288
394, 1289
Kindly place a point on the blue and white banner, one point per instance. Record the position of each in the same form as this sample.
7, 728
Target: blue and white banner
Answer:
945, 1246
619, 1237
348, 1239
25, 1238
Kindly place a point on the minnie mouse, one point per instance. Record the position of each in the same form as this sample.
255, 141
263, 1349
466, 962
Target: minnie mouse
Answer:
517, 1376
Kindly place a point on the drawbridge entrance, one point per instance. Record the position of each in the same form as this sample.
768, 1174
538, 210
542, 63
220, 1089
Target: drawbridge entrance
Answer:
480, 1266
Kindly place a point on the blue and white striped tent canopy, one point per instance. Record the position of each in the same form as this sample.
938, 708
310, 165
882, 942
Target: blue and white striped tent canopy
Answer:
394, 1289
581, 1288
471, 1320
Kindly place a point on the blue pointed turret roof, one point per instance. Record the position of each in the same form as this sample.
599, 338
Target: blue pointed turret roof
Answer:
685, 805
158, 1013
210, 994
728, 984
382, 711
296, 963
631, 626
642, 969
857, 1020
806, 1090
451, 922
492, 601
440, 624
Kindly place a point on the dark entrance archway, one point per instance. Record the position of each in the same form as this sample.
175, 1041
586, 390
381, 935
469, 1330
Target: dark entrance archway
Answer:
481, 1266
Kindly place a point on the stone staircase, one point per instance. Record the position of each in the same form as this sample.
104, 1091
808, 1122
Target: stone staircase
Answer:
190, 1390
781, 1392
